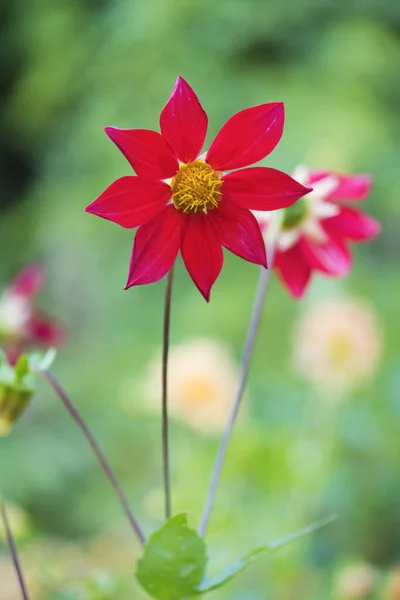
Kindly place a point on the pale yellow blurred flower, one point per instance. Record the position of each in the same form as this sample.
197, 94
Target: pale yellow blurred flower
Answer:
338, 344
202, 378
355, 582
392, 589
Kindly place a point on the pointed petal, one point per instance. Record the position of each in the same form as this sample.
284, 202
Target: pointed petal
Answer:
183, 122
239, 232
349, 187
131, 201
155, 248
202, 252
247, 137
13, 351
44, 330
28, 282
293, 270
353, 225
147, 151
262, 188
332, 257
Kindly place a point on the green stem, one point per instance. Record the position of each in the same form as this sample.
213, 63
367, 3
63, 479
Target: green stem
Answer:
105, 465
164, 418
13, 550
244, 370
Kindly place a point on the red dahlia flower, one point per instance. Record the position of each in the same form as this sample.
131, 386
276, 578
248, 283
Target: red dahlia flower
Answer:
22, 326
183, 201
314, 234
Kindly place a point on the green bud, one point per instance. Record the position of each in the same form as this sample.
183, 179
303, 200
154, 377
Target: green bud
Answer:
13, 403
16, 390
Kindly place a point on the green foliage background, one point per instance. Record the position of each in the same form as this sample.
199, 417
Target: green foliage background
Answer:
70, 68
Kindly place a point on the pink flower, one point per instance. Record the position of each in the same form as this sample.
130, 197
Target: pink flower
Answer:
181, 201
314, 235
22, 326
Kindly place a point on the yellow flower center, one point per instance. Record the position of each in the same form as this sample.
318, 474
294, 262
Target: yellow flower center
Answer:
197, 390
340, 349
196, 187
295, 214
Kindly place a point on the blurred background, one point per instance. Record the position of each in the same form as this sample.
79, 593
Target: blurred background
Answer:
305, 445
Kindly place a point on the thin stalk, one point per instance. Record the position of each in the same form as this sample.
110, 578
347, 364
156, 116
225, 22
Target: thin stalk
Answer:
13, 550
105, 465
244, 370
164, 417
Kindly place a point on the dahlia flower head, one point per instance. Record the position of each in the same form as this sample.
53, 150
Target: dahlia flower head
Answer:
315, 233
338, 345
192, 203
201, 383
22, 325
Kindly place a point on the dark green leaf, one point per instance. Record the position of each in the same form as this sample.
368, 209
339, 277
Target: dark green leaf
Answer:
208, 584
174, 561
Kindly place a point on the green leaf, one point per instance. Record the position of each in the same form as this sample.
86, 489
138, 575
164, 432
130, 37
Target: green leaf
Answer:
21, 368
174, 561
18, 377
42, 360
208, 585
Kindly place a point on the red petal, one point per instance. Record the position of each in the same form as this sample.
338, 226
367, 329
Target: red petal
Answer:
247, 137
293, 270
43, 329
332, 257
239, 232
155, 248
353, 225
183, 122
28, 282
147, 151
131, 201
262, 188
350, 187
13, 351
201, 252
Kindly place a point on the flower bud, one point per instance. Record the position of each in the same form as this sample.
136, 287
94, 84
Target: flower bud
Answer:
13, 403
16, 390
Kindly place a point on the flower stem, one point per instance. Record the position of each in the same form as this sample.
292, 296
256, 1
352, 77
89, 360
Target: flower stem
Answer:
105, 465
13, 550
164, 418
244, 370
